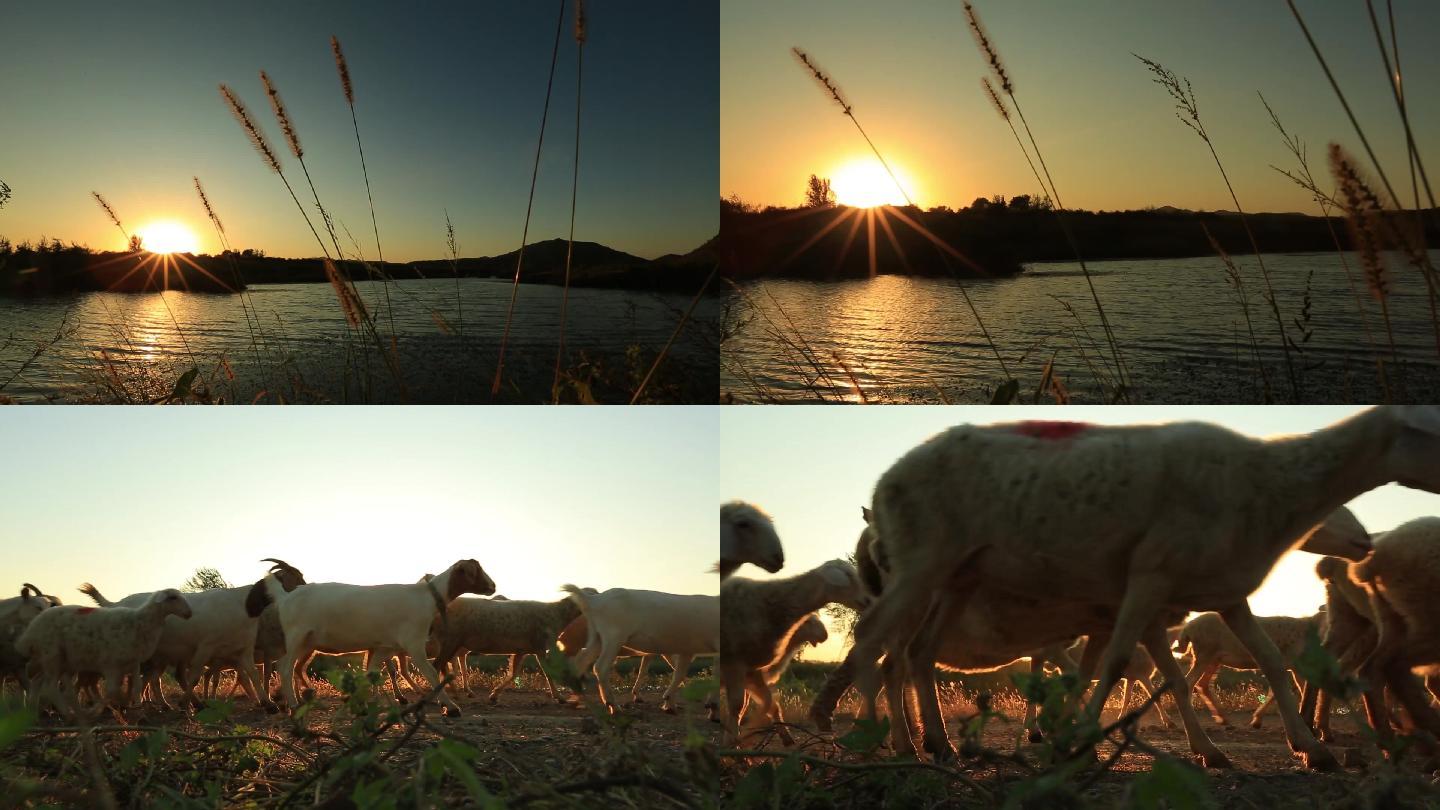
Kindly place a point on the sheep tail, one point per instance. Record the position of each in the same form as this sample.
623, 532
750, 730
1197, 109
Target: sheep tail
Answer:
95, 595
578, 597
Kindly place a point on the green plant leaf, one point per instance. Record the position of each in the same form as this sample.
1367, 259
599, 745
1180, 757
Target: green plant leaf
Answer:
867, 735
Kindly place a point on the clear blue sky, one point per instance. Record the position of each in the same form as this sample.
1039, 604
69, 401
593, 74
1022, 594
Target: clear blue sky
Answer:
1109, 135
136, 499
812, 469
121, 98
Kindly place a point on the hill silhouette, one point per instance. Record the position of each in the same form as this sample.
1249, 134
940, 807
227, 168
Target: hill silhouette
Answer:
54, 268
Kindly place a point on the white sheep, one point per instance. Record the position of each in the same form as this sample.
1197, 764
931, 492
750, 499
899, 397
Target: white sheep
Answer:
15, 615
66, 640
1145, 519
217, 632
572, 640
747, 534
338, 618
1401, 577
759, 618
1214, 646
679, 627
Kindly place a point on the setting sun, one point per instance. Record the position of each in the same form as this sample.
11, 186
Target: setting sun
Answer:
865, 184
167, 236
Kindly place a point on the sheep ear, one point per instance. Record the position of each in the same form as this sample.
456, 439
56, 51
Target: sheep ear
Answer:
866, 513
257, 599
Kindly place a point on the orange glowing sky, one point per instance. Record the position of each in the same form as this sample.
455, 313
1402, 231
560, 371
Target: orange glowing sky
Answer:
1108, 134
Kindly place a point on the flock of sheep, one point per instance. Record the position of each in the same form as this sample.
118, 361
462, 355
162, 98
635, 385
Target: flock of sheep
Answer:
987, 545
59, 653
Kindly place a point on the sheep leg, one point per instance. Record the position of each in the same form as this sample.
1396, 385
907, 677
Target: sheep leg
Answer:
511, 674
767, 708
462, 663
1203, 686
902, 734
1124, 697
1144, 597
1156, 710
1272, 664
1256, 719
679, 668
407, 670
919, 660
293, 657
417, 656
887, 626
732, 680
549, 684
1416, 702
604, 665
1037, 671
640, 677
822, 709
1200, 744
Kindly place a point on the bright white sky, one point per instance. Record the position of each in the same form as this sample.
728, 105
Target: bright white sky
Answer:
812, 468
136, 499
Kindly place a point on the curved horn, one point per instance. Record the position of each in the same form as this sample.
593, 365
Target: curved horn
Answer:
279, 564
37, 591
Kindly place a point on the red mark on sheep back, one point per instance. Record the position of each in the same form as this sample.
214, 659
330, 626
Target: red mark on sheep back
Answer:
1050, 430
85, 611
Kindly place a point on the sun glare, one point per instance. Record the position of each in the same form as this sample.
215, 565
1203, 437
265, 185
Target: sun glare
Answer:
167, 236
865, 184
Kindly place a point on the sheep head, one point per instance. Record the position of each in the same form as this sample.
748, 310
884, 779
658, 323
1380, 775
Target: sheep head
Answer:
1332, 569
748, 535
466, 576
171, 603
842, 584
1341, 535
1415, 454
812, 631
289, 576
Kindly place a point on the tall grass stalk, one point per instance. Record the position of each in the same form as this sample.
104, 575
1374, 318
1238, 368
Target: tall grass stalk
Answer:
1188, 112
997, 67
1237, 280
1328, 204
224, 241
833, 90
574, 192
343, 69
455, 271
679, 327
529, 204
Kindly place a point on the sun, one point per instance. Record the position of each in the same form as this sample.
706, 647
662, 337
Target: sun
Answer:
167, 236
864, 183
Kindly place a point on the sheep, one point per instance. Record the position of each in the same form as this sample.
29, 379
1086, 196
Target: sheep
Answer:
65, 640
517, 627
1349, 636
747, 534
1400, 578
1139, 672
994, 630
15, 615
219, 631
572, 640
759, 618
1214, 646
676, 626
339, 618
1187, 516
811, 632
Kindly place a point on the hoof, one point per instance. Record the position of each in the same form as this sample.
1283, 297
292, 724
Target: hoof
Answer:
1214, 759
452, 711
402, 700
1255, 723
494, 700
941, 752
271, 708
1320, 760
1036, 736
668, 709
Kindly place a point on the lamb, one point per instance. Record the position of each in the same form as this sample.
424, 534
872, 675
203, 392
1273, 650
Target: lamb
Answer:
15, 615
65, 640
339, 618
747, 534
760, 617
811, 632
1145, 519
517, 627
676, 626
1214, 646
1400, 578
1139, 672
218, 631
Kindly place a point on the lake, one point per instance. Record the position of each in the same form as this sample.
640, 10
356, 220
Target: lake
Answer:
126, 347
1180, 328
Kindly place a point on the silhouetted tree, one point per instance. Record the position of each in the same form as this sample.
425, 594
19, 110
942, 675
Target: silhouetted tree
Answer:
980, 204
1020, 202
205, 579
4, 193
998, 200
818, 193
136, 244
